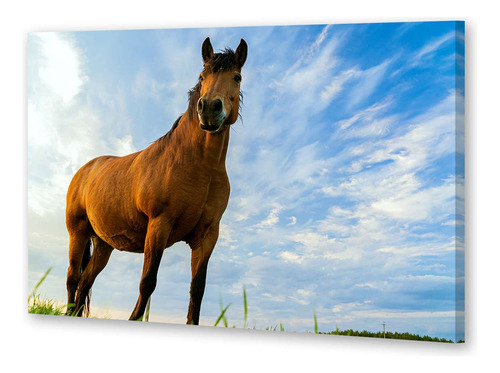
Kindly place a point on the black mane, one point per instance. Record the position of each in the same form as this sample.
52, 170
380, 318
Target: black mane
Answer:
162, 140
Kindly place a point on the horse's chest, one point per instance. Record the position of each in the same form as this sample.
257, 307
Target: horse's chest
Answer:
198, 208
196, 204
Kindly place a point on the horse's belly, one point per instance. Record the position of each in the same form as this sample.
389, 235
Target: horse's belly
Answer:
124, 242
125, 235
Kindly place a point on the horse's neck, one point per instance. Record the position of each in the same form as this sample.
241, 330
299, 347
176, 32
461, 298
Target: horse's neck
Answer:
192, 142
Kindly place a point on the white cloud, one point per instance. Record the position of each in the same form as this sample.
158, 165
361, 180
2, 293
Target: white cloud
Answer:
225, 237
426, 53
373, 129
366, 115
303, 292
63, 132
366, 285
431, 47
420, 205
347, 307
275, 298
308, 74
321, 37
333, 90
453, 223
298, 300
369, 80
289, 256
60, 64
272, 218
313, 241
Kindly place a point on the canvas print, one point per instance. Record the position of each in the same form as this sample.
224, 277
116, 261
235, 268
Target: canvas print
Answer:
305, 178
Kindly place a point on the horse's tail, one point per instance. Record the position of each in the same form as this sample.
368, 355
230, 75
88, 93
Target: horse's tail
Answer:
87, 254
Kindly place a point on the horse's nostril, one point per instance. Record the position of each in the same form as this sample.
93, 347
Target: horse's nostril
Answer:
217, 106
201, 104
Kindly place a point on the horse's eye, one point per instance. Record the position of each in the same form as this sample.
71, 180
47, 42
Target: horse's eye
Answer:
237, 78
201, 78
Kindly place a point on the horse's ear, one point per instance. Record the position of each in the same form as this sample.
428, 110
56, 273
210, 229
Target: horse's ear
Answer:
207, 51
241, 53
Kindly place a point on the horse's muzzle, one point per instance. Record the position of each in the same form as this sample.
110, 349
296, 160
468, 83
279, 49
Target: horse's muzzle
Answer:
210, 128
211, 114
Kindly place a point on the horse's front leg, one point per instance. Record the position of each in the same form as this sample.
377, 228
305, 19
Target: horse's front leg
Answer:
156, 241
201, 251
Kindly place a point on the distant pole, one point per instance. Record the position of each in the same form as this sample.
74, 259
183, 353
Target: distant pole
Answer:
383, 324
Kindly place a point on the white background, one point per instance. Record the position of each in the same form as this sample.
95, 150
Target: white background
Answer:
51, 343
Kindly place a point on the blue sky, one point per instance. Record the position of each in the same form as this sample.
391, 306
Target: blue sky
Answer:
346, 171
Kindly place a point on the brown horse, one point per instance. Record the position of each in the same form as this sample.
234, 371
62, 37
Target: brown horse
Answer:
174, 190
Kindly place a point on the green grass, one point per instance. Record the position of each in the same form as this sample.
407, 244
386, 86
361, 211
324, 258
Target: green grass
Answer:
222, 315
245, 308
42, 306
38, 305
277, 328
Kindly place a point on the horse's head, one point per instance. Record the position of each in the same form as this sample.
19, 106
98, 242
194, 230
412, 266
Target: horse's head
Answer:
219, 86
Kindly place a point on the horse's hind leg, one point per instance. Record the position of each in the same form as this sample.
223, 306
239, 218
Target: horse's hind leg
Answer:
79, 251
98, 261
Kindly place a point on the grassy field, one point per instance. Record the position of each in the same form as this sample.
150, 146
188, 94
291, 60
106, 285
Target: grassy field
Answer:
38, 305
44, 306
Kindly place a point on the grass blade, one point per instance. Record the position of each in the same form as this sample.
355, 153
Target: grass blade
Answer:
315, 323
40, 282
245, 308
222, 316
